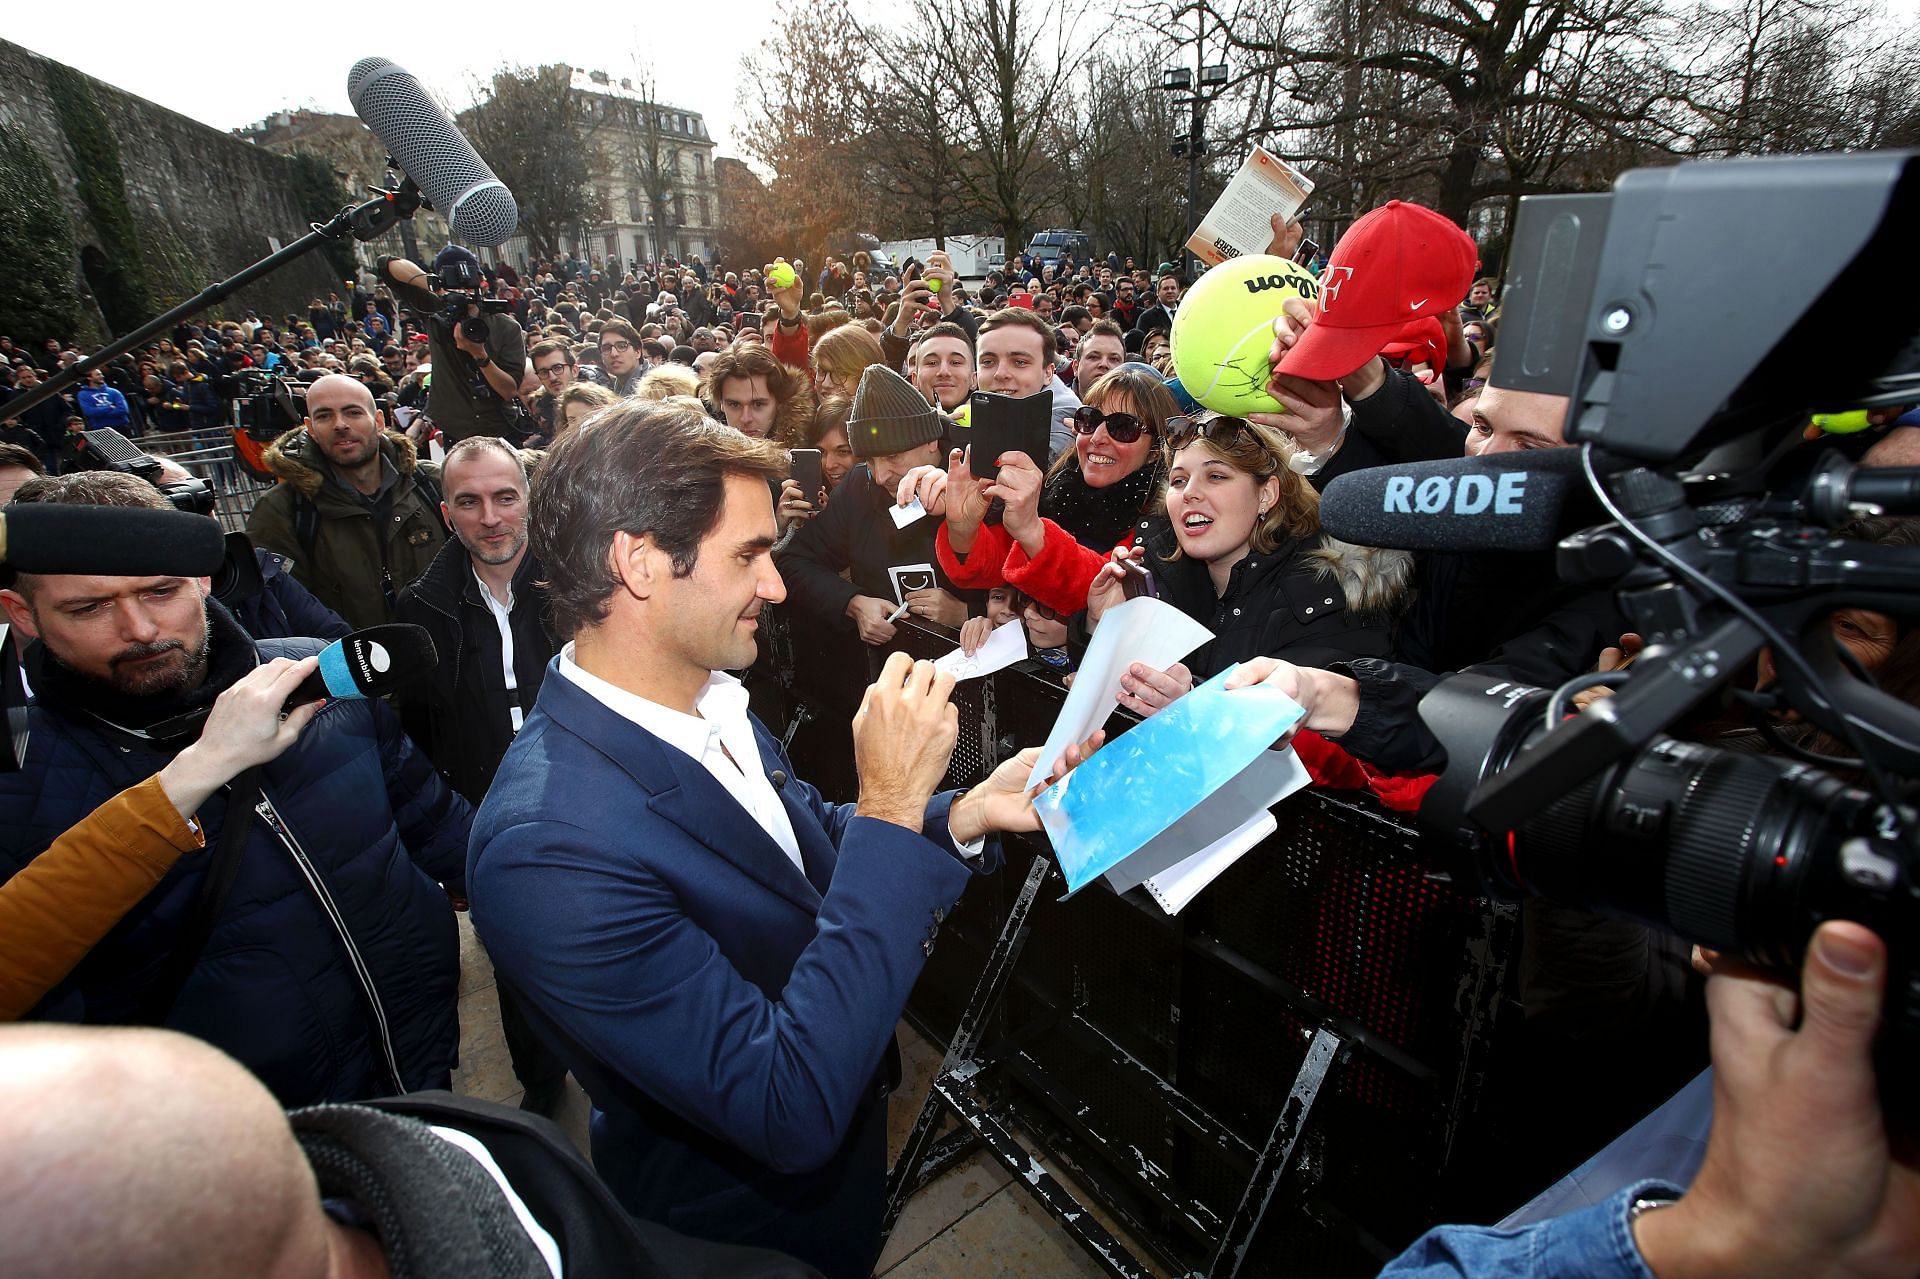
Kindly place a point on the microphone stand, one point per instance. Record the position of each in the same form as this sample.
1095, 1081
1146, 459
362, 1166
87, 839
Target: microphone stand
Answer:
363, 222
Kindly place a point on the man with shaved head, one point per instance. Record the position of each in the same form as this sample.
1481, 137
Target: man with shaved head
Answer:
357, 511
141, 1154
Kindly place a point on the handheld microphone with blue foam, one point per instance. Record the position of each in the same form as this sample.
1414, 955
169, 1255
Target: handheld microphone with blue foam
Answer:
1505, 502
431, 151
371, 662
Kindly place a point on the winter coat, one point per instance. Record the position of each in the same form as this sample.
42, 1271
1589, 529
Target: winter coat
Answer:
1311, 601
359, 560
353, 830
460, 713
854, 534
284, 609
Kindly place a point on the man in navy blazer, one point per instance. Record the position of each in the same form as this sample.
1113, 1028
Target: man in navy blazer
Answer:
719, 954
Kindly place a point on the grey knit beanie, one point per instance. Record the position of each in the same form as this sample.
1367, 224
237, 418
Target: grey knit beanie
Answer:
889, 415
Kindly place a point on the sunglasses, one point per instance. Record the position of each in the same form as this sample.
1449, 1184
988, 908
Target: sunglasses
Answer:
1182, 431
1122, 428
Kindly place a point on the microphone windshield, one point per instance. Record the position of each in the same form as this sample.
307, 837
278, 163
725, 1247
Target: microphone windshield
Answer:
431, 151
109, 541
1506, 502
369, 663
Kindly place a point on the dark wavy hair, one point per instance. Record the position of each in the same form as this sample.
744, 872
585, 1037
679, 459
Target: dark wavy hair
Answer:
647, 466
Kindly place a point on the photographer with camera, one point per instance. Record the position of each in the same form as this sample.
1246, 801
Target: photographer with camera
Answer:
479, 350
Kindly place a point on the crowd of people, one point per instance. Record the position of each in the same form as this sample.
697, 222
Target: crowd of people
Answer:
580, 478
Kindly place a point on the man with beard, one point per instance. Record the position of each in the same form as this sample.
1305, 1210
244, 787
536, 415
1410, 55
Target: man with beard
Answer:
313, 943
483, 602
358, 513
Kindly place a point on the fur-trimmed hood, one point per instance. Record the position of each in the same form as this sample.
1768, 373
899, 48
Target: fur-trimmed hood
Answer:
1376, 582
296, 459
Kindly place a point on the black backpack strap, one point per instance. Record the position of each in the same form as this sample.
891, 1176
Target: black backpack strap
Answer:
214, 888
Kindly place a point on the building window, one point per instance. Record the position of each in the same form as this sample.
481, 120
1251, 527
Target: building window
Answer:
679, 209
700, 204
633, 205
699, 164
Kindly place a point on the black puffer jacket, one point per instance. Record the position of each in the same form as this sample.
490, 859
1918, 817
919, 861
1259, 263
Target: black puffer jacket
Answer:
1312, 601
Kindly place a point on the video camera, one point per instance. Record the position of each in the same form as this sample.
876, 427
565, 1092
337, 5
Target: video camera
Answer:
108, 450
1695, 317
461, 283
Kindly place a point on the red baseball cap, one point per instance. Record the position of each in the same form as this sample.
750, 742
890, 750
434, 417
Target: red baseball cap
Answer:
1396, 264
1420, 341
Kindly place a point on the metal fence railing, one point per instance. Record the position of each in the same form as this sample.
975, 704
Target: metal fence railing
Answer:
209, 455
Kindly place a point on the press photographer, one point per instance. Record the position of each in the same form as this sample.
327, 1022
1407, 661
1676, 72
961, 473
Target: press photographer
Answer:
479, 350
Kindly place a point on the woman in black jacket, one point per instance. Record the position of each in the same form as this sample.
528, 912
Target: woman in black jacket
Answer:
1238, 548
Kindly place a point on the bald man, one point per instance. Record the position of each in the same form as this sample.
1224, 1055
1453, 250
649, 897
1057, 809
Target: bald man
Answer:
357, 511
142, 1154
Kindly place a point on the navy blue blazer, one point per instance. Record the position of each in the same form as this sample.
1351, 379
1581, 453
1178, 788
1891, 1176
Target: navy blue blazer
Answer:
727, 1014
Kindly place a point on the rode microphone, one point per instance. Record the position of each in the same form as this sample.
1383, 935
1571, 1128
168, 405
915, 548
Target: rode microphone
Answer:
109, 541
369, 663
431, 151
1506, 502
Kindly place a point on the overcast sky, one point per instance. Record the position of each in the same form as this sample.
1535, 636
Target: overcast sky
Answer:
231, 67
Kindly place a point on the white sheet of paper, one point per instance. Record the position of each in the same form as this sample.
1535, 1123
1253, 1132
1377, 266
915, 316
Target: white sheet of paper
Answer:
1141, 630
1006, 645
905, 515
1181, 882
1214, 821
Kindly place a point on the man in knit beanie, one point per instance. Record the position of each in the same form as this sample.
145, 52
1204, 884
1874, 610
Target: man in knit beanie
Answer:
892, 429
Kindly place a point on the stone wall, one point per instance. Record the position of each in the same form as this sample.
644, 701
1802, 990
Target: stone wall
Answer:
203, 203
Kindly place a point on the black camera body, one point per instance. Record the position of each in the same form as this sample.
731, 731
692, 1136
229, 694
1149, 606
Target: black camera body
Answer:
1690, 376
109, 450
468, 312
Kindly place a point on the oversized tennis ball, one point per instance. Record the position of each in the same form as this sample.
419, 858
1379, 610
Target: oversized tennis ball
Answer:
781, 276
1224, 330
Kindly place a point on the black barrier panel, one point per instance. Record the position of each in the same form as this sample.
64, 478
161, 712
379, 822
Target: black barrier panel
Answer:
1152, 1055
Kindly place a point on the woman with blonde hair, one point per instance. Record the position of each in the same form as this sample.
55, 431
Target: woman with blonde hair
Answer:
840, 356
1238, 548
580, 402
666, 381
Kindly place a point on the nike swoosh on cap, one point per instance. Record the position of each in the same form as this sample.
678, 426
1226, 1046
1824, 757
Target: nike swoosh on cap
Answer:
1415, 306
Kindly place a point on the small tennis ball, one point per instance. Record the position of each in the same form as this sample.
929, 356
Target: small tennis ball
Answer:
781, 276
1842, 423
1224, 330
933, 286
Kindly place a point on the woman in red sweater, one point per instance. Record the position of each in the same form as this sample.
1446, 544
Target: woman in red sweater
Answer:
1058, 528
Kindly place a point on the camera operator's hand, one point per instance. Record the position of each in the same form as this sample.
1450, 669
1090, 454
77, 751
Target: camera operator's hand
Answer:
1330, 701
1004, 802
903, 736
1798, 1179
1611, 659
467, 346
243, 729
870, 614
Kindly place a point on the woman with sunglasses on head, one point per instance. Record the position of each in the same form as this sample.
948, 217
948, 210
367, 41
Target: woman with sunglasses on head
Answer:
1239, 549
1059, 527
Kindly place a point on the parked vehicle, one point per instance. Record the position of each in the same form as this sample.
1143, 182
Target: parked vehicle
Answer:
1060, 245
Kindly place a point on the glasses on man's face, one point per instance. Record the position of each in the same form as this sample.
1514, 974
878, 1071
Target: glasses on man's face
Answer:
615, 348
1122, 428
554, 370
1182, 431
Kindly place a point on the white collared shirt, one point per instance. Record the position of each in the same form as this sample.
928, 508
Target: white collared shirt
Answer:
503, 618
720, 729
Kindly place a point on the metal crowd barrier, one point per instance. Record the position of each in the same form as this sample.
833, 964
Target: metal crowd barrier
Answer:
208, 454
1278, 1080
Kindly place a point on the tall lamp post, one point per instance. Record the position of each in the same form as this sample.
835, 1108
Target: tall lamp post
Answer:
1201, 84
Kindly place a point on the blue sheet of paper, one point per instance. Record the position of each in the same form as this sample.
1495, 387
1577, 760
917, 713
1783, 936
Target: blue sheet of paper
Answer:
1167, 772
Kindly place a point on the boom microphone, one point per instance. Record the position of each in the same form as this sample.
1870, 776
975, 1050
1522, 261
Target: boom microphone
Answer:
369, 663
109, 541
1506, 502
431, 151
